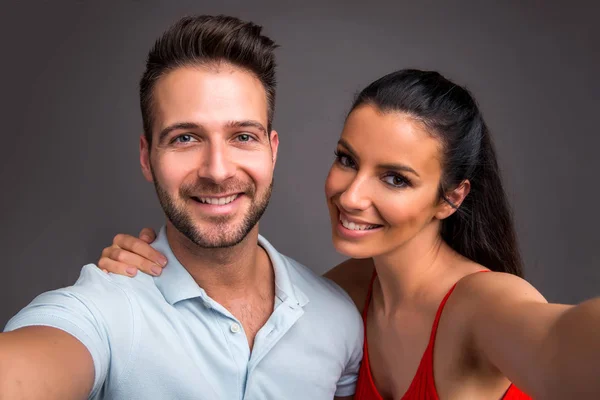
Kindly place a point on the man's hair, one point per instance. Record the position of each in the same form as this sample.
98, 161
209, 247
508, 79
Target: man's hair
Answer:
206, 40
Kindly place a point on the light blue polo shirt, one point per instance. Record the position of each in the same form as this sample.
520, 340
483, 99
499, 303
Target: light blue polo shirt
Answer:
164, 338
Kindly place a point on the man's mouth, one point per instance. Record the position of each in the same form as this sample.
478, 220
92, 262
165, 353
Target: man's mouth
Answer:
216, 200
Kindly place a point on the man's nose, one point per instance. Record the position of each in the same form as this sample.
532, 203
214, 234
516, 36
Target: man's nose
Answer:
217, 164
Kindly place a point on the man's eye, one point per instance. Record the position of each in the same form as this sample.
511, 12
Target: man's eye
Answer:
183, 139
244, 137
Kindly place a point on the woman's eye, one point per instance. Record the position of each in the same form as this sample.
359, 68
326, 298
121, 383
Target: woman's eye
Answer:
344, 160
396, 180
183, 139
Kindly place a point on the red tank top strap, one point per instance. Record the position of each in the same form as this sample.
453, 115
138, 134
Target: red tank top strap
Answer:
438, 314
365, 387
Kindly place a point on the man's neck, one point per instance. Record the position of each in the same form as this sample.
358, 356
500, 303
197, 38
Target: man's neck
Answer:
226, 273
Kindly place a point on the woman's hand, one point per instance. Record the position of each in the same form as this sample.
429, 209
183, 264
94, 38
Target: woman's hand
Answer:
128, 254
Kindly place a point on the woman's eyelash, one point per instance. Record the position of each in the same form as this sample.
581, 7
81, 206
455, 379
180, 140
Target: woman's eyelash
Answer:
392, 179
396, 180
344, 159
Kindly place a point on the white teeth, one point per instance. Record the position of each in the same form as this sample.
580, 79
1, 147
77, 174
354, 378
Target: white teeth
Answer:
355, 227
219, 202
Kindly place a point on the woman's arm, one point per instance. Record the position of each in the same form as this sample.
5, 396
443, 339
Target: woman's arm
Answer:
128, 254
550, 351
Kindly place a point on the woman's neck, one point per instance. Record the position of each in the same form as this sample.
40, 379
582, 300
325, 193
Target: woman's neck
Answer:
413, 271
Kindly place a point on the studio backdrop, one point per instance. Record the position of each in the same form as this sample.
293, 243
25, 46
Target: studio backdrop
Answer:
70, 122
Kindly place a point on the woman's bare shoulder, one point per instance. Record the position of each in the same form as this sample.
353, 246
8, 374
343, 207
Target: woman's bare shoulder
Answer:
353, 276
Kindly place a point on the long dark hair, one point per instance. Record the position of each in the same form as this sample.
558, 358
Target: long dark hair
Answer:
482, 228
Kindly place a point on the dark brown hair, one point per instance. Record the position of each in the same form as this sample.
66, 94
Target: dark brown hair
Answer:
482, 228
209, 40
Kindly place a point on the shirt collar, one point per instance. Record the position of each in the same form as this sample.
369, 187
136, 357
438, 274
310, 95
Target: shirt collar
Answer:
284, 287
176, 284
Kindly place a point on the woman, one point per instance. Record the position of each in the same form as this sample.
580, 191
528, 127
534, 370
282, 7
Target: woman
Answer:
416, 200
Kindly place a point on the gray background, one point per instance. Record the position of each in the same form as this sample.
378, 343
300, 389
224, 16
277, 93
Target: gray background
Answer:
70, 176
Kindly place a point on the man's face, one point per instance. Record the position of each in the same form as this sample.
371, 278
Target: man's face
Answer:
211, 158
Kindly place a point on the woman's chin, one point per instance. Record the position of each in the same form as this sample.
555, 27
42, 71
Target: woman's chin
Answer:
352, 250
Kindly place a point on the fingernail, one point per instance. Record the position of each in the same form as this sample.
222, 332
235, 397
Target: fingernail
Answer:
162, 261
131, 271
145, 238
156, 270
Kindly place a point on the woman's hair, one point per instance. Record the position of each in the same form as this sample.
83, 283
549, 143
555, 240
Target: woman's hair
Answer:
482, 228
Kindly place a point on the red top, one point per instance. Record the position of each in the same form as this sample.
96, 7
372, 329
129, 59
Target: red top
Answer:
422, 386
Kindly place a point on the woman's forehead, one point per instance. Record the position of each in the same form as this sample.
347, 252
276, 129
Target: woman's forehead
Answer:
391, 137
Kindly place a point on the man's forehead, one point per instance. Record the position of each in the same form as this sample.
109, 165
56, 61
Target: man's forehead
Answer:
205, 96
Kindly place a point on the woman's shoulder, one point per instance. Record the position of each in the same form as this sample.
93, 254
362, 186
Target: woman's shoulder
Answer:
498, 286
484, 297
354, 276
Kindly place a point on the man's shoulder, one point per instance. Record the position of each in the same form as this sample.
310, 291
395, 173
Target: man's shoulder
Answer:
100, 298
326, 293
328, 307
96, 286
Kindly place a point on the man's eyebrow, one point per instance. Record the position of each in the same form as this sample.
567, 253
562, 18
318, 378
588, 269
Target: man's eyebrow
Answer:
178, 125
395, 167
247, 124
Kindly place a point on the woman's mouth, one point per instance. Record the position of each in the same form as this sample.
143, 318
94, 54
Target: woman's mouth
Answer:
356, 226
352, 229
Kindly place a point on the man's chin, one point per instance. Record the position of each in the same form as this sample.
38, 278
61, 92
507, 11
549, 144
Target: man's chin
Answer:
214, 236
221, 241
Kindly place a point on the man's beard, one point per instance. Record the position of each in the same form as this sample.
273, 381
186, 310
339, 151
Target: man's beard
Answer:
222, 233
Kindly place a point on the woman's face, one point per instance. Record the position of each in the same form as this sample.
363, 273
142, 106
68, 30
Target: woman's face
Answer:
382, 189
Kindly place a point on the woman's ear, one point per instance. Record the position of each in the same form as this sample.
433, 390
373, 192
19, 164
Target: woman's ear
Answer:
453, 200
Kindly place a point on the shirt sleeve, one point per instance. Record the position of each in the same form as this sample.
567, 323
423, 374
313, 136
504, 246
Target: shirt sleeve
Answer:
72, 312
346, 386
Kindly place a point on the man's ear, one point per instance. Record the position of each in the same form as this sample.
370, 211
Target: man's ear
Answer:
454, 200
274, 142
145, 159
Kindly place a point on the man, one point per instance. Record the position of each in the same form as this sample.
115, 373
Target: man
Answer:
231, 318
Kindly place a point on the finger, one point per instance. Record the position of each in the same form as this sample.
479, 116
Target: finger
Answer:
105, 271
139, 247
147, 235
131, 259
104, 254
116, 267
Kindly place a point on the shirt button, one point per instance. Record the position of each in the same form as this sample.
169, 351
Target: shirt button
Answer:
235, 328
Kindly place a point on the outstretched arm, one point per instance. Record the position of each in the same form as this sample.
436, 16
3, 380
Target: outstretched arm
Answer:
551, 351
40, 362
